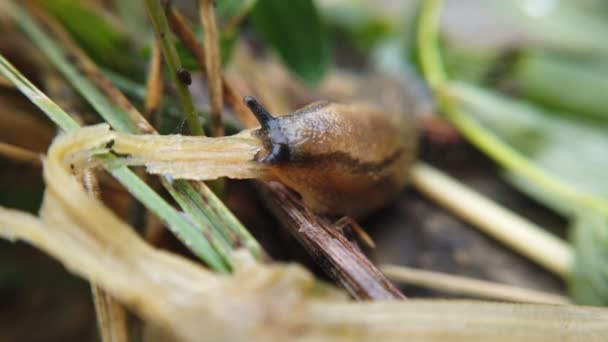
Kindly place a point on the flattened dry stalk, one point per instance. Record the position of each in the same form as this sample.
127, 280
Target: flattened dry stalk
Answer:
213, 64
337, 256
155, 84
197, 158
184, 33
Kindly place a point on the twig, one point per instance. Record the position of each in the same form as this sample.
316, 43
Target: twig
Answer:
154, 85
336, 255
213, 64
496, 221
469, 286
20, 154
163, 34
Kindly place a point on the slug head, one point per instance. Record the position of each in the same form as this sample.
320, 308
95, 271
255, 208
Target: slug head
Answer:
271, 134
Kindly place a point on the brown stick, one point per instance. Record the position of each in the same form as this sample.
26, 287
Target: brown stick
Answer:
339, 257
154, 85
213, 65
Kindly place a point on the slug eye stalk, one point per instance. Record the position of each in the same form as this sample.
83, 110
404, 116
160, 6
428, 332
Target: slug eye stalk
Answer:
263, 116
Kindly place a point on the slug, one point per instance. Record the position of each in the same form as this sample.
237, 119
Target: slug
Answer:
341, 159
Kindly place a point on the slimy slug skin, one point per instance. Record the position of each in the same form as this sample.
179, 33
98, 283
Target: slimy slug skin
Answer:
341, 159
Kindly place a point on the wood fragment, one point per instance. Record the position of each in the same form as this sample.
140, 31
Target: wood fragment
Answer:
336, 255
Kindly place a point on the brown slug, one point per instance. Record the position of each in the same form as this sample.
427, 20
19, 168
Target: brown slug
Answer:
341, 159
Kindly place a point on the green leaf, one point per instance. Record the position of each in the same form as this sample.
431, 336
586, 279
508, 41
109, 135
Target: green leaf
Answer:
563, 25
577, 86
294, 28
571, 150
229, 10
588, 281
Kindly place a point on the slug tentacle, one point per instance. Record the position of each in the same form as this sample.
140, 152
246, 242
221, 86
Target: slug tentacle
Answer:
263, 116
275, 142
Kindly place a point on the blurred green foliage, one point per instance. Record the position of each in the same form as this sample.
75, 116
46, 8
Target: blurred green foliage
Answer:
294, 28
99, 37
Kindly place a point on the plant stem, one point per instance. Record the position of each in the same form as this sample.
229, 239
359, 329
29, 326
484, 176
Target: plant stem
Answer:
163, 34
496, 221
428, 43
469, 286
503, 154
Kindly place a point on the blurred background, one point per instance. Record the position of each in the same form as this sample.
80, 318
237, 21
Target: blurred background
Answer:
533, 73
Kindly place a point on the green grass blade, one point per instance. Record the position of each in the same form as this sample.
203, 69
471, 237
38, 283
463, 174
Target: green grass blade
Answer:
188, 234
163, 34
54, 112
108, 110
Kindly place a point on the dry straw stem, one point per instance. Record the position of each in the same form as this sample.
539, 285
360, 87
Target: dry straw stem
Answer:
193, 304
468, 286
19, 154
198, 158
496, 221
111, 316
213, 64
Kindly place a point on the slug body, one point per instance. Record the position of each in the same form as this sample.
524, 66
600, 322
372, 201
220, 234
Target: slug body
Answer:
342, 159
